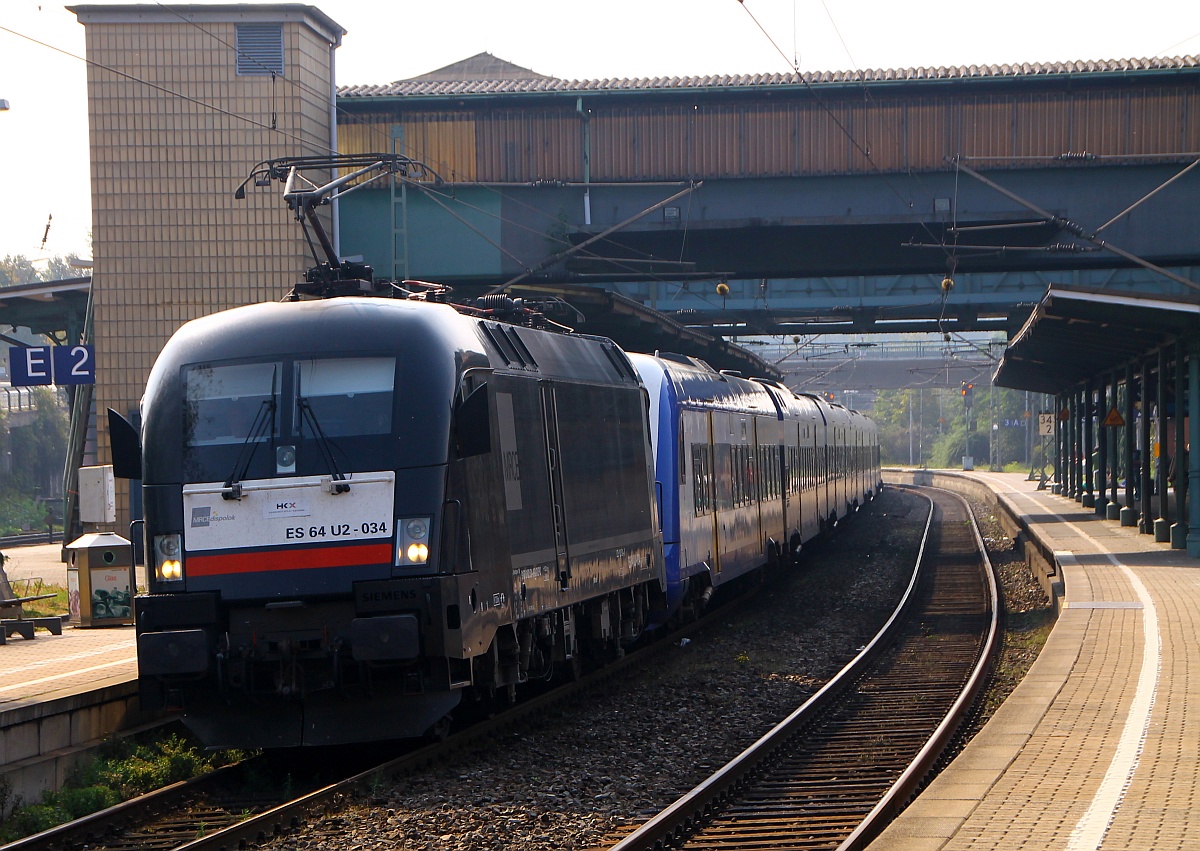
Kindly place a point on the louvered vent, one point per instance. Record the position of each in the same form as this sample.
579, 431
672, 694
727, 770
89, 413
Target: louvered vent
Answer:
259, 49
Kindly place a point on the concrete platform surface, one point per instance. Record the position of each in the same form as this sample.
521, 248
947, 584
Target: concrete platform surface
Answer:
1098, 747
54, 666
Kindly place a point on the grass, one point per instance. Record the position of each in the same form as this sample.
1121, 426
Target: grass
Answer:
121, 768
56, 605
1025, 633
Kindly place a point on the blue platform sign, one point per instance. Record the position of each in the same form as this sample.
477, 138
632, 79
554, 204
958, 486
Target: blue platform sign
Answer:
38, 365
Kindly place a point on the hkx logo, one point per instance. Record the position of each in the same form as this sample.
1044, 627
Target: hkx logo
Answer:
284, 507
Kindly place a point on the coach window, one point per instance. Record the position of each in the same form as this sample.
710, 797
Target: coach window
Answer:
701, 479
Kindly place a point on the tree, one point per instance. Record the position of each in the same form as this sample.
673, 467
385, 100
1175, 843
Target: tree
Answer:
60, 268
39, 448
17, 269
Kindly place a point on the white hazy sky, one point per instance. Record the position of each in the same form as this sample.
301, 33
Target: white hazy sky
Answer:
43, 137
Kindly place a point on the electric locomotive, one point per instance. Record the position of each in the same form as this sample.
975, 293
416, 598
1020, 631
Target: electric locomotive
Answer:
345, 540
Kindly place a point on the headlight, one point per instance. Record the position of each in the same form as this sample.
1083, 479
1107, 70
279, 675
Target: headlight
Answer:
413, 546
168, 558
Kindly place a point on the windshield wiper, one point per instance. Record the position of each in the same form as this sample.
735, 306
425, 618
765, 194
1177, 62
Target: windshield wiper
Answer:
339, 483
258, 430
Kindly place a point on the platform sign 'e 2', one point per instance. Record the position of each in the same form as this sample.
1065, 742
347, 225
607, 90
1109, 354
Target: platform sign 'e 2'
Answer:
74, 365
40, 365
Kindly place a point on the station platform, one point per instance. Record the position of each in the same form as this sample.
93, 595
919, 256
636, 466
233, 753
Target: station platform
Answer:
1099, 745
52, 666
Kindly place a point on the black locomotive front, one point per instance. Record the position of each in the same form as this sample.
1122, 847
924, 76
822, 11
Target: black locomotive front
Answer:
340, 540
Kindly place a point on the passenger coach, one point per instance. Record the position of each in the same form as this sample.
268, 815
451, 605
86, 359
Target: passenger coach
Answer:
747, 471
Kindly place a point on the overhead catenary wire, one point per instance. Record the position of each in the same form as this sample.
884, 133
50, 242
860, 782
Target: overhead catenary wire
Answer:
865, 151
196, 101
1148, 196
216, 109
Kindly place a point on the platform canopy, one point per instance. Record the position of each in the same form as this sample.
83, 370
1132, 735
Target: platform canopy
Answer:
1076, 334
53, 308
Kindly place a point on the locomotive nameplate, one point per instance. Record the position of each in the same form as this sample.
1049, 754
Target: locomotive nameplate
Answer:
288, 511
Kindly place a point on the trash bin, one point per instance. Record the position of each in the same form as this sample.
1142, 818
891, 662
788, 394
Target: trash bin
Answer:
101, 580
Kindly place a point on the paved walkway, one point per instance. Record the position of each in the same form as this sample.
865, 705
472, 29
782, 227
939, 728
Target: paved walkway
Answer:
1099, 746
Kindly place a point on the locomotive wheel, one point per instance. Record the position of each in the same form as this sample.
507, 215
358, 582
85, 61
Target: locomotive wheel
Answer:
440, 729
575, 666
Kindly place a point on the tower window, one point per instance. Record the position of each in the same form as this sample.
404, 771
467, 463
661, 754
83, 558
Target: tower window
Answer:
259, 49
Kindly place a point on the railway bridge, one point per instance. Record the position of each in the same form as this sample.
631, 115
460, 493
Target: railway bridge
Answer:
927, 199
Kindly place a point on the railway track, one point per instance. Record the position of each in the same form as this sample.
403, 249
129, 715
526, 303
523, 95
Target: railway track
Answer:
833, 773
193, 818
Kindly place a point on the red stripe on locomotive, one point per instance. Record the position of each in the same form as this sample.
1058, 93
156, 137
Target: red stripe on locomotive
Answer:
293, 559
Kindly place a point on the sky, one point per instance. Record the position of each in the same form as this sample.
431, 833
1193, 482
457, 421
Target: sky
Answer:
43, 135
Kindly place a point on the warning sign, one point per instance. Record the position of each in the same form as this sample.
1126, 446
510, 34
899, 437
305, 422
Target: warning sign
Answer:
1114, 418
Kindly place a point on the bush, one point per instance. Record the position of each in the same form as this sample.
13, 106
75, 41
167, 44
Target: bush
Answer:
20, 513
122, 769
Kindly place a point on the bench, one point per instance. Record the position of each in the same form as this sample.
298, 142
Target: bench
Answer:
14, 621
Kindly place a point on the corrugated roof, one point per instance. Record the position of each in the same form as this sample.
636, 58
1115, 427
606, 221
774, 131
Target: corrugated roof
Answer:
443, 84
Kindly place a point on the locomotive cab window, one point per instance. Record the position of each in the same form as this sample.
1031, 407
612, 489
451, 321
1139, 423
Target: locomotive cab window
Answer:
338, 397
231, 404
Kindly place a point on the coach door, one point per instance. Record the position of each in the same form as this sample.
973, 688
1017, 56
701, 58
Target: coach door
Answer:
554, 470
719, 462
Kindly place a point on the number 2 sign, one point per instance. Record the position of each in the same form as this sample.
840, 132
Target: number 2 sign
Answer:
33, 365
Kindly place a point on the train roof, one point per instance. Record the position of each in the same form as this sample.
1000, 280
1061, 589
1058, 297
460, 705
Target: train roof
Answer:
432, 335
698, 384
